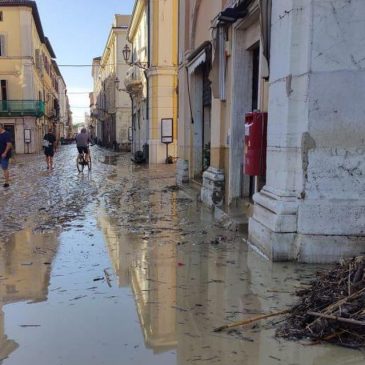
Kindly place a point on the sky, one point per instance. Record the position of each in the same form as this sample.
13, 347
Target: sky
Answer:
78, 31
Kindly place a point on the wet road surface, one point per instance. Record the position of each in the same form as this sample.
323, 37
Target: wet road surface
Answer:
117, 266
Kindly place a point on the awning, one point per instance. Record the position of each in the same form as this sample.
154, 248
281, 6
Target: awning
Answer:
197, 61
199, 56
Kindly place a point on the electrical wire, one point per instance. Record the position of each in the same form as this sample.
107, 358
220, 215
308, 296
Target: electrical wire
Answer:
77, 92
88, 65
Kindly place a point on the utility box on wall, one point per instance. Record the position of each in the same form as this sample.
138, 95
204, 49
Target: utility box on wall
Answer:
255, 143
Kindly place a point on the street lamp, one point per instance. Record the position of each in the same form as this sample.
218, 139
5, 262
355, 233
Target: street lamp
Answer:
126, 53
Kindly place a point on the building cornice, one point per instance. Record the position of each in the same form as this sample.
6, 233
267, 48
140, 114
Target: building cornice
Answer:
139, 6
114, 32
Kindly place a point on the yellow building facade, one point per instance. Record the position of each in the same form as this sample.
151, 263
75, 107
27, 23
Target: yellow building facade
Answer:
222, 77
112, 105
152, 78
28, 78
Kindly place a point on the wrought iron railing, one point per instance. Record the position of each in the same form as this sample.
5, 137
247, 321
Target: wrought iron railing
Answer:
16, 108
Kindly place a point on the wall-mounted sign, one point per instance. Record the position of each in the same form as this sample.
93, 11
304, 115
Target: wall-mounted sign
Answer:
27, 136
167, 134
130, 134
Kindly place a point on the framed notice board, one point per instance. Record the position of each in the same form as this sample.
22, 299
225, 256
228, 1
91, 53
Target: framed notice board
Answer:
167, 132
27, 136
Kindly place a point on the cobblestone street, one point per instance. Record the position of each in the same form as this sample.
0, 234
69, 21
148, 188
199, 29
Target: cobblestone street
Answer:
119, 266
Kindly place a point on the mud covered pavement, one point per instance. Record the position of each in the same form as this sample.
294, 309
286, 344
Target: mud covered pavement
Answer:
120, 267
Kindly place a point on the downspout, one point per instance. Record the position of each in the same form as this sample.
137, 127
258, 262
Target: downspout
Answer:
148, 60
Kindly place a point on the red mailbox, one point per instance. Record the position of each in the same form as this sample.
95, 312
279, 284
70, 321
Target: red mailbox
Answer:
255, 143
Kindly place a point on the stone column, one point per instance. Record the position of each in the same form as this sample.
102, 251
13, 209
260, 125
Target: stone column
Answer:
212, 192
312, 208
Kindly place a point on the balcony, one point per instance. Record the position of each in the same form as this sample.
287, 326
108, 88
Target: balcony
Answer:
21, 108
134, 80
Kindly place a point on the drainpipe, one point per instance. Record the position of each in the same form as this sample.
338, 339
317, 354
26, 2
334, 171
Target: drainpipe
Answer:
148, 60
132, 109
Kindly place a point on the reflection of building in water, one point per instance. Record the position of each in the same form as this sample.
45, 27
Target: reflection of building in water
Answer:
154, 285
154, 274
6, 346
149, 267
25, 273
120, 248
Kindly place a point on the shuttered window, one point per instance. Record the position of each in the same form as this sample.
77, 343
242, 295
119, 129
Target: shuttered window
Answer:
2, 45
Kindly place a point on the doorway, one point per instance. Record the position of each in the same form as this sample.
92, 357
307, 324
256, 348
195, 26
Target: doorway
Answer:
255, 57
201, 108
11, 129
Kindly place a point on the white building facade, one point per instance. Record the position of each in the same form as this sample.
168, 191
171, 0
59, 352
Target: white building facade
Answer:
312, 208
113, 105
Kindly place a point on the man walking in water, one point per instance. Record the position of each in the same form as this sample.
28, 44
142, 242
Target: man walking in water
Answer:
5, 151
49, 144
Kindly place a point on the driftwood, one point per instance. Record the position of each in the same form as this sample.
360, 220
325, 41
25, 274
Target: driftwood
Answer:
335, 318
250, 320
332, 309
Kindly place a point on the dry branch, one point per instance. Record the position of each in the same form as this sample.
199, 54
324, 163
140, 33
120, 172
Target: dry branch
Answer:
339, 319
336, 298
250, 320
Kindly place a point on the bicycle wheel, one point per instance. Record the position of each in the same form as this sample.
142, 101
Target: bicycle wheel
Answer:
80, 163
89, 163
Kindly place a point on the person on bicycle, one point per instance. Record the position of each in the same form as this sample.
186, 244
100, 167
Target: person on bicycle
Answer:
82, 143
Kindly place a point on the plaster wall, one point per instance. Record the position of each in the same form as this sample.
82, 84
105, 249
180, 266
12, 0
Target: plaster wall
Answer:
123, 100
138, 37
10, 63
312, 208
162, 76
202, 12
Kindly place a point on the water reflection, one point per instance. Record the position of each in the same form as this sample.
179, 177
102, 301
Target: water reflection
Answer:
149, 267
183, 291
25, 262
178, 275
6, 346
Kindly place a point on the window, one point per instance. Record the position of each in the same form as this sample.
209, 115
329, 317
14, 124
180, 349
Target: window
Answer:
2, 45
4, 91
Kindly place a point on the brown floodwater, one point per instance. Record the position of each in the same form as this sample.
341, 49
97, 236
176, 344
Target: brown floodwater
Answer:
144, 276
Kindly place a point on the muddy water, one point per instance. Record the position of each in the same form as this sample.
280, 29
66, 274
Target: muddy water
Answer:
142, 275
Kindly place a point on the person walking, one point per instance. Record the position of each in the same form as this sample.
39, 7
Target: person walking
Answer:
5, 152
49, 145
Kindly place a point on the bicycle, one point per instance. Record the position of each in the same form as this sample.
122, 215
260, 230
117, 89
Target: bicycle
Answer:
81, 162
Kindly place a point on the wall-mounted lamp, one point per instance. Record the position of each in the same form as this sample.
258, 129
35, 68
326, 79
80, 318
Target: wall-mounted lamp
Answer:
127, 53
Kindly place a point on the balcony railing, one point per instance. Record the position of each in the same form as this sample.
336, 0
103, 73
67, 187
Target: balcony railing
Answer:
21, 108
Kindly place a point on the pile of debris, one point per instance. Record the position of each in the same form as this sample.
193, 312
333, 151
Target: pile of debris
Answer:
331, 308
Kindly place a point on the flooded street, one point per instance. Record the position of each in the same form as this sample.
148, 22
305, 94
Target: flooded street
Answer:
118, 266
